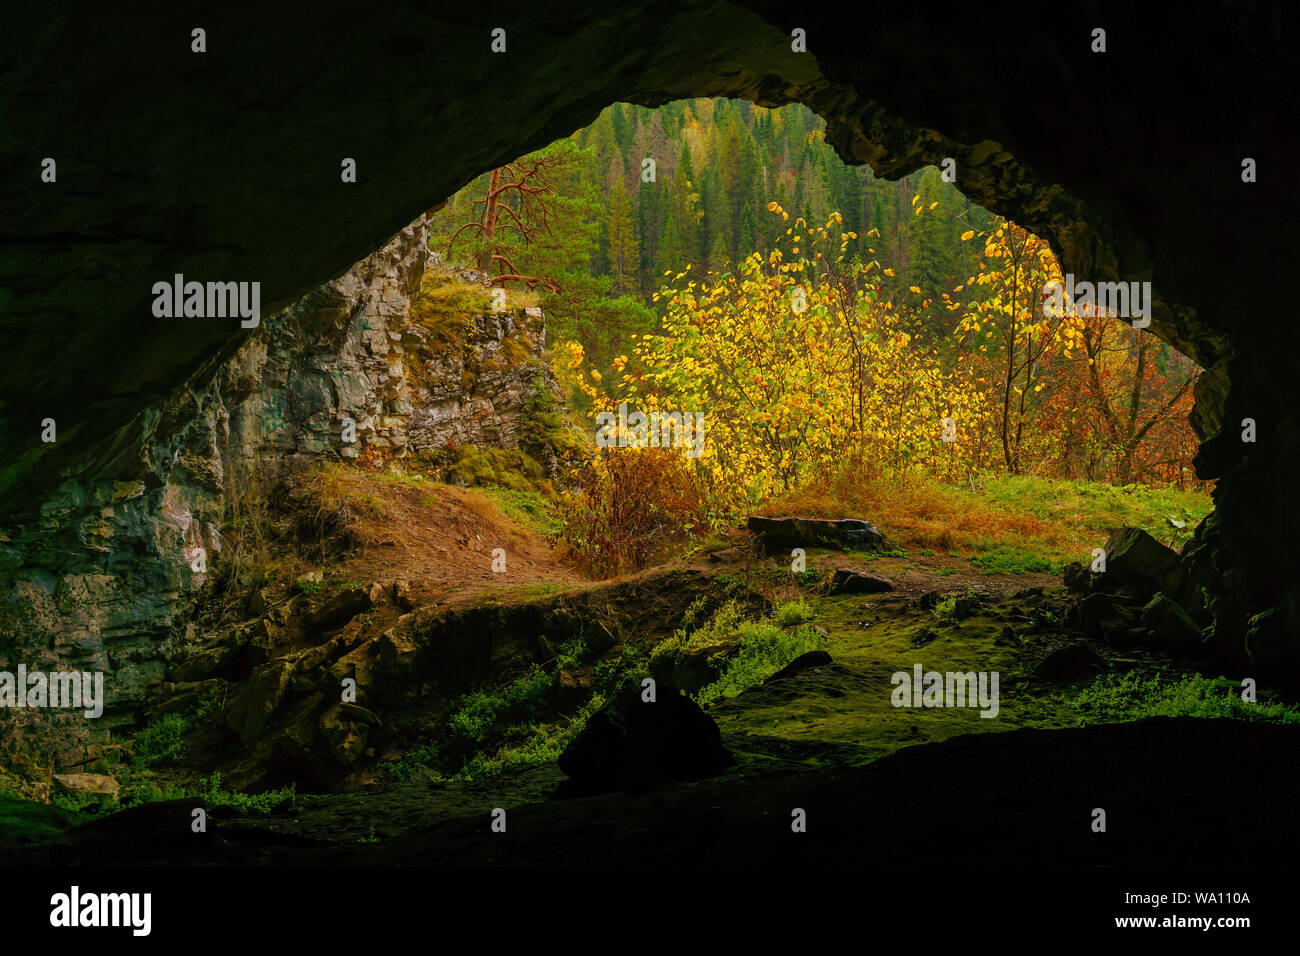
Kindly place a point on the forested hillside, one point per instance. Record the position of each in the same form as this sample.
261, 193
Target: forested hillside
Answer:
619, 224
668, 245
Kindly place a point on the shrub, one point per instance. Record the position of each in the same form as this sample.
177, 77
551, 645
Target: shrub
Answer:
632, 507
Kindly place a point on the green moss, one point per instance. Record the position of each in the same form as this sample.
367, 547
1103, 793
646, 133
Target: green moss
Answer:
507, 468
28, 822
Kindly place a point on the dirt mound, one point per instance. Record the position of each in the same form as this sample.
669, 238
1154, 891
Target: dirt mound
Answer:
441, 539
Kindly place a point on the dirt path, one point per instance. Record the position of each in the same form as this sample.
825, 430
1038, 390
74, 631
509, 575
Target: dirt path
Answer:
442, 542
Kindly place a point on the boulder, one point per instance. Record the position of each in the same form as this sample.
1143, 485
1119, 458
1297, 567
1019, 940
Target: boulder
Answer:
1135, 559
267, 687
1070, 663
783, 534
850, 581
345, 728
573, 686
801, 663
1172, 629
631, 743
95, 786
1097, 612
694, 667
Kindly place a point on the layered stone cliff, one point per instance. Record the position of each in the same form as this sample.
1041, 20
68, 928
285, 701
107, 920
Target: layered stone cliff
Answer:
105, 579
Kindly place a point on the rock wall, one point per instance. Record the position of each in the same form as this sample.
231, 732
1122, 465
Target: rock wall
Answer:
107, 576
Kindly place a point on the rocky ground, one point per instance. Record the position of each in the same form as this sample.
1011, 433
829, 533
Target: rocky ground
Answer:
823, 735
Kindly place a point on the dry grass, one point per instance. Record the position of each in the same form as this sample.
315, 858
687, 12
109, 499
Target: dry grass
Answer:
1058, 520
917, 512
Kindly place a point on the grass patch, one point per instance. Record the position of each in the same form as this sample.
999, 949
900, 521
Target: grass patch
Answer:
162, 742
788, 613
1013, 559
1060, 520
28, 822
764, 649
764, 645
516, 724
1114, 698
528, 508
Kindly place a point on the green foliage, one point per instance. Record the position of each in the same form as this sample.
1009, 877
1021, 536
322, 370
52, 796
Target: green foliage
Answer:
211, 791
764, 649
29, 822
517, 724
792, 612
502, 467
162, 742
1131, 696
764, 645
1013, 559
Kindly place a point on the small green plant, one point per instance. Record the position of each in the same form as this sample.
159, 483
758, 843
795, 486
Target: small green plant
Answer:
1010, 559
161, 743
788, 613
764, 648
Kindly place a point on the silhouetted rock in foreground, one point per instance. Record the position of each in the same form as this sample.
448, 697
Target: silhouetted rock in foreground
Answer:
631, 743
1171, 788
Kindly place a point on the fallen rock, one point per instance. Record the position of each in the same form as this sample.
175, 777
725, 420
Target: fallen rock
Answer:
1097, 612
777, 534
1171, 627
573, 686
631, 743
923, 637
850, 581
1070, 663
1076, 577
96, 786
1136, 559
309, 582
340, 608
694, 667
258, 602
801, 663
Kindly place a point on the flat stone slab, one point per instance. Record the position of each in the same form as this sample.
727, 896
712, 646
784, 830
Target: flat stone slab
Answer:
783, 533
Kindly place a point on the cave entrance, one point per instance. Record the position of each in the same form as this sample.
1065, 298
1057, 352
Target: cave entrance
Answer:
850, 346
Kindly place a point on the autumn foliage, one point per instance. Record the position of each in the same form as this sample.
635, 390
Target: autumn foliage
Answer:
802, 362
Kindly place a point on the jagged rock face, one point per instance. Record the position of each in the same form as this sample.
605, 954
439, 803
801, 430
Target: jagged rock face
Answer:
225, 165
479, 394
102, 580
